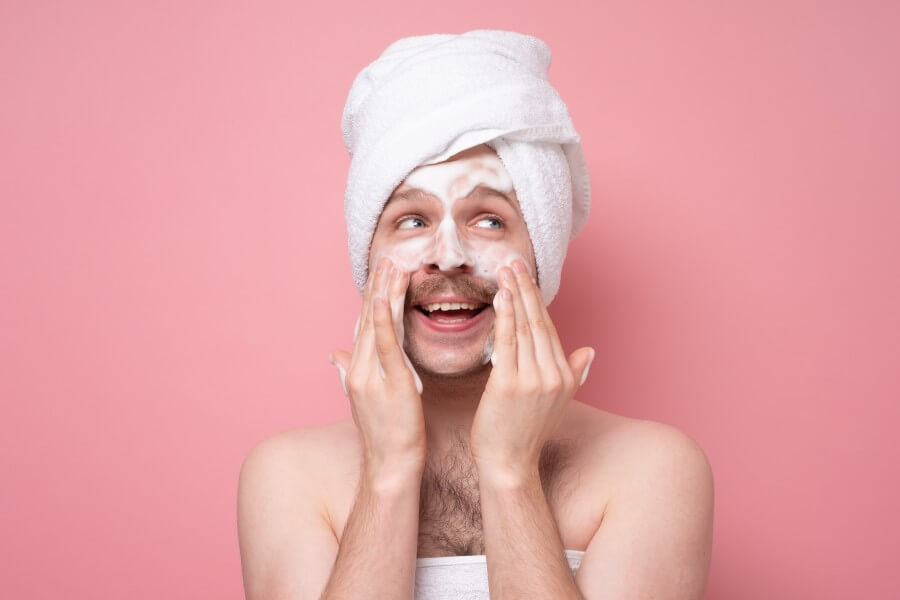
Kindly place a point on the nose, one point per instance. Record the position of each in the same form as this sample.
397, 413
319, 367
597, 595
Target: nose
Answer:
449, 254
435, 269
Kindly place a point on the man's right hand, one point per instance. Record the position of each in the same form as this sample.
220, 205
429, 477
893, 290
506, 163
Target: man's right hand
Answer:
380, 383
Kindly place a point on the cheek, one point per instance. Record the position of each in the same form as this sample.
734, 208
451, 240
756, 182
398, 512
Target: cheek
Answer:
406, 254
488, 257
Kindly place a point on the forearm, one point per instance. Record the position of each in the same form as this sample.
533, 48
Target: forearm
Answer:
377, 554
525, 556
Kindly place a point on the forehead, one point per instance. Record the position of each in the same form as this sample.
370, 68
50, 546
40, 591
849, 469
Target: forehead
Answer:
411, 194
473, 173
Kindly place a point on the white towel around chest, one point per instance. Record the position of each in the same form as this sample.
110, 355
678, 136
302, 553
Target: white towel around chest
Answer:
462, 577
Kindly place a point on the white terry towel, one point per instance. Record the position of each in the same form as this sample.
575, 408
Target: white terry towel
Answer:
431, 96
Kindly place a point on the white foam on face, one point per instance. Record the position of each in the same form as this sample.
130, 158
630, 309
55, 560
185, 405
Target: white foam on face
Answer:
445, 245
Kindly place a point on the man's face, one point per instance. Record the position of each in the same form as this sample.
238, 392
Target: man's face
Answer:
452, 225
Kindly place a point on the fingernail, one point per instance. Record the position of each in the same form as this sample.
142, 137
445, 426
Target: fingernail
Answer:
519, 266
588, 367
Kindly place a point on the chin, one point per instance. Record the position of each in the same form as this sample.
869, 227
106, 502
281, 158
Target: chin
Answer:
449, 362
449, 371
439, 354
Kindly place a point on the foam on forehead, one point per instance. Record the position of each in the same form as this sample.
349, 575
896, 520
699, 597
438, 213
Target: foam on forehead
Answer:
456, 179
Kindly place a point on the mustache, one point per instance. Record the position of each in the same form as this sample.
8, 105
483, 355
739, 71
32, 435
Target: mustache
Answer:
473, 289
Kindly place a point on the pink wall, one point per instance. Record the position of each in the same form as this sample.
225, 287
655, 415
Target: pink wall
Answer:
174, 270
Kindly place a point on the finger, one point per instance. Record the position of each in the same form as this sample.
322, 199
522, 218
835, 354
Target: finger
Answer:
580, 362
364, 348
364, 309
504, 357
380, 292
542, 330
389, 353
397, 298
341, 361
558, 353
367, 295
397, 295
412, 369
525, 362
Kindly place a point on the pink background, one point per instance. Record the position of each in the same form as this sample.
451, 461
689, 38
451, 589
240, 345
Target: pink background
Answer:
174, 269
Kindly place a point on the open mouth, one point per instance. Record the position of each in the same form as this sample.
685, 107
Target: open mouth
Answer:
451, 312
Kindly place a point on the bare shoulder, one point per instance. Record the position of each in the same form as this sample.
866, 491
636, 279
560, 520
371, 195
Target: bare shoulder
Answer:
287, 541
320, 460
630, 452
314, 438
657, 500
306, 459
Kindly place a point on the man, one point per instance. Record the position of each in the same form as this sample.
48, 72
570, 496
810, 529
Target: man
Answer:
466, 438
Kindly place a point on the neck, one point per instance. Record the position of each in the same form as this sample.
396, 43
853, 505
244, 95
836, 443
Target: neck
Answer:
449, 404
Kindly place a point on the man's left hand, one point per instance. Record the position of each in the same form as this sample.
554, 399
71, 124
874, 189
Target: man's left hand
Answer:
530, 385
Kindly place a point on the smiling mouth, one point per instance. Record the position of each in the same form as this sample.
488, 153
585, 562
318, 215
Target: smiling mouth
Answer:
451, 312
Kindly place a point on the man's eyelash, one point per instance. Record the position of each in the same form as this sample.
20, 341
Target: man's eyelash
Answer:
492, 217
406, 218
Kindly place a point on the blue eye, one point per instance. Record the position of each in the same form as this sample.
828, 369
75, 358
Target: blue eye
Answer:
409, 223
495, 222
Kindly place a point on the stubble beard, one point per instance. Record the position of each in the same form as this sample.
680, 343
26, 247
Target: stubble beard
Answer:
452, 362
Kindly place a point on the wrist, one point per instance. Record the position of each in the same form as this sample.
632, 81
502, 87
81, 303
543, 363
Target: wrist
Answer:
398, 475
506, 475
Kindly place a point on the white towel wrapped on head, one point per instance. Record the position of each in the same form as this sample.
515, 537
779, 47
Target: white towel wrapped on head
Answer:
429, 97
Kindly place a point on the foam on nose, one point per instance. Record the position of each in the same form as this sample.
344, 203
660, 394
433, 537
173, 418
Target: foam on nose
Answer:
449, 252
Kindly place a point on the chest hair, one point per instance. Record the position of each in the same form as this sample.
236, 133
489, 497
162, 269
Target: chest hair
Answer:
449, 500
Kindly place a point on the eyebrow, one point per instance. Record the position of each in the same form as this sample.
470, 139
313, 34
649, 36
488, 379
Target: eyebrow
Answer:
480, 189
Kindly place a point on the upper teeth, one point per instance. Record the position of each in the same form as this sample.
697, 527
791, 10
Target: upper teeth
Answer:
449, 306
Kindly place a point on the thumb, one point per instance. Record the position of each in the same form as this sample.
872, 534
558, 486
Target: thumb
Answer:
341, 361
580, 361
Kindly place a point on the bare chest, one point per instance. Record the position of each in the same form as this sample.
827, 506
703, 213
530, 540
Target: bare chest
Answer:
450, 518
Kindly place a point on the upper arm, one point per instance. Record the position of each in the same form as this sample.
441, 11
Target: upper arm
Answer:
287, 545
655, 538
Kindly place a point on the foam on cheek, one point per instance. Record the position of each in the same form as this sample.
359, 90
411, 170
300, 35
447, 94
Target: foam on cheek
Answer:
407, 255
492, 257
